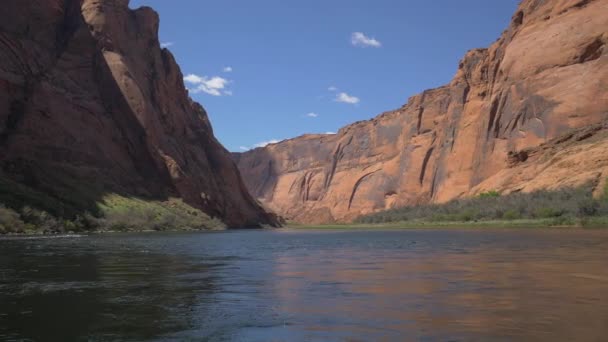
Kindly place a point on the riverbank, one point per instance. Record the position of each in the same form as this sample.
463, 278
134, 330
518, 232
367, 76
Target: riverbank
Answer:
114, 213
565, 208
569, 207
595, 224
588, 223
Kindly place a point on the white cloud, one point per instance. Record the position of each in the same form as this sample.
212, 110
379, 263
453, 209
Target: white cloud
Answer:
361, 40
265, 143
227, 69
332, 88
345, 98
261, 144
312, 115
166, 44
215, 86
330, 133
191, 78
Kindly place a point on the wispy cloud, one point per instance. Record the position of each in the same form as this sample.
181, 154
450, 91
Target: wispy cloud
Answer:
215, 86
312, 115
359, 39
260, 144
227, 69
166, 44
332, 88
266, 143
330, 133
345, 98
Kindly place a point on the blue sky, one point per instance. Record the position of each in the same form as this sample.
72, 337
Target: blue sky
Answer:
275, 69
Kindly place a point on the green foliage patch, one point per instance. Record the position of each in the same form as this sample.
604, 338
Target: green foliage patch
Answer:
489, 194
561, 207
26, 210
127, 214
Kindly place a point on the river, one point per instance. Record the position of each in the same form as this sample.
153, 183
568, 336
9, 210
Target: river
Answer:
288, 285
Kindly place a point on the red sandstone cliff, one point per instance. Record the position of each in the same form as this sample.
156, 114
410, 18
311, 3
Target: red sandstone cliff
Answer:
90, 104
546, 75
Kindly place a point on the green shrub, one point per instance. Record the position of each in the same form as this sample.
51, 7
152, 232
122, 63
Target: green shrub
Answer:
588, 207
466, 216
436, 218
10, 222
87, 222
489, 194
547, 212
511, 215
42, 220
70, 226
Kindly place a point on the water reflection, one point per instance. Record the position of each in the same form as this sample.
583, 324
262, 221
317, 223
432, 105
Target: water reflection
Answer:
80, 289
302, 286
557, 290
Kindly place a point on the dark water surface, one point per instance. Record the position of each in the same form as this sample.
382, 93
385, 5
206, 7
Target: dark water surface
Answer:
307, 286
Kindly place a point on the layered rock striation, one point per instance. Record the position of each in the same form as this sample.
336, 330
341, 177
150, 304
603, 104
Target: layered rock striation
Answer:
544, 77
90, 104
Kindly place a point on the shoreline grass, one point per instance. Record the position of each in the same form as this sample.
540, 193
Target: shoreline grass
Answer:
597, 223
116, 214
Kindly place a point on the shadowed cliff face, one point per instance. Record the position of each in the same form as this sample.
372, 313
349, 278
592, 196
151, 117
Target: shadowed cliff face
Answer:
90, 104
546, 75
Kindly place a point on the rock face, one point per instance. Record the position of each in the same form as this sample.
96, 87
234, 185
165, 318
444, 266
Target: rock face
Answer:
90, 104
546, 75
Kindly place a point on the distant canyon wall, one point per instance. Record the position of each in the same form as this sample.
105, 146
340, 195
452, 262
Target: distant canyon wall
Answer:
547, 75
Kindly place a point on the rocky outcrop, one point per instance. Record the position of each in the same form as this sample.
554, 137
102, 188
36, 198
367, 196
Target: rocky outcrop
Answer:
546, 75
574, 159
90, 104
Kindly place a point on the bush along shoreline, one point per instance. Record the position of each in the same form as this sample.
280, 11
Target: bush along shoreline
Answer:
115, 214
574, 207
82, 209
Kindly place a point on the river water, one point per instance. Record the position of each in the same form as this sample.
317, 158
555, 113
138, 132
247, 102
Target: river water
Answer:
307, 286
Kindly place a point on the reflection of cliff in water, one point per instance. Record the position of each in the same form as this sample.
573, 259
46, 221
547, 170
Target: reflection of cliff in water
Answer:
488, 291
111, 293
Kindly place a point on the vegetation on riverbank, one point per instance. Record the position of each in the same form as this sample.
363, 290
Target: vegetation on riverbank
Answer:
566, 207
598, 222
27, 211
116, 214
